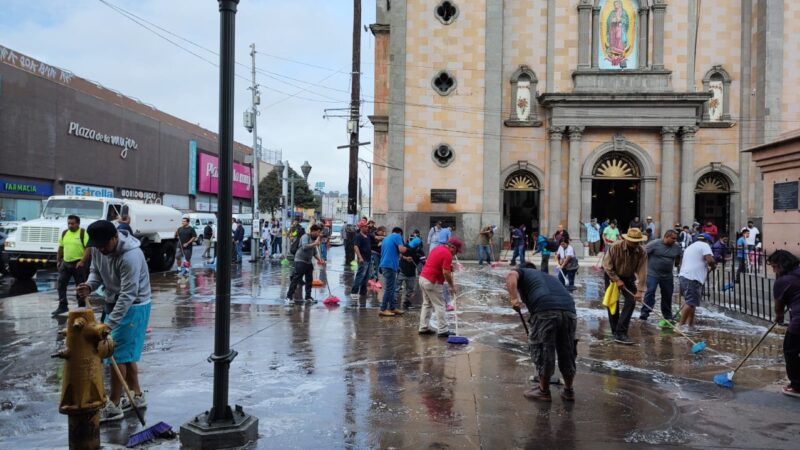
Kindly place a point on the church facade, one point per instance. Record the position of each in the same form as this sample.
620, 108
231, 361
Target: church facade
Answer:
553, 112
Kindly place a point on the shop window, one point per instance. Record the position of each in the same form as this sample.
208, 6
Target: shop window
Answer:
524, 108
443, 155
446, 12
443, 83
716, 111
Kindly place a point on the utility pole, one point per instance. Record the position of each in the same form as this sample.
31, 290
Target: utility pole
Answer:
352, 124
256, 227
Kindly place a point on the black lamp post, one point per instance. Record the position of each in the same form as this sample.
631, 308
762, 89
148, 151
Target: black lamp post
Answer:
306, 168
222, 427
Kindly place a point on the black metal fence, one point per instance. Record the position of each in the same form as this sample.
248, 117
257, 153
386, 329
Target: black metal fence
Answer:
742, 282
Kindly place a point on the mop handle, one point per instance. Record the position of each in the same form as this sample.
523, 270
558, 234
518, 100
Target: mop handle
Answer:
741, 363
659, 315
127, 390
522, 318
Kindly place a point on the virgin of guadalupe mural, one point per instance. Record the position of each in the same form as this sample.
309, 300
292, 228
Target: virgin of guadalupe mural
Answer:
618, 30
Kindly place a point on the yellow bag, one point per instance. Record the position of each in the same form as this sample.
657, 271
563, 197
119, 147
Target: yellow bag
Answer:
611, 297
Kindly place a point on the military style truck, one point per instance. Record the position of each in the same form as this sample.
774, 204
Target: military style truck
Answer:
34, 244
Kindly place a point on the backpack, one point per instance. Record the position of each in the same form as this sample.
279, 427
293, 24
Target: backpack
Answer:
551, 245
295, 245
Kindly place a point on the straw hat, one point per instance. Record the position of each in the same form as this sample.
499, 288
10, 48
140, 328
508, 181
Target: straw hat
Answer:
634, 235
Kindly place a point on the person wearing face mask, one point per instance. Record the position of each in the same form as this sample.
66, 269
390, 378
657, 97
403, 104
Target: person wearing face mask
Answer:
119, 265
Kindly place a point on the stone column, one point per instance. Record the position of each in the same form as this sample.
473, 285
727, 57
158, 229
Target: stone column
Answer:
687, 175
595, 36
574, 185
643, 34
659, 10
554, 189
667, 218
584, 34
586, 197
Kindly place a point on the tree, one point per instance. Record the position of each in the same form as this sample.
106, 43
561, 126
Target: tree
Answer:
269, 193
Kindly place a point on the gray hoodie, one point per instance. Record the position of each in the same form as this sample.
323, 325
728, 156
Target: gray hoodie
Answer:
124, 276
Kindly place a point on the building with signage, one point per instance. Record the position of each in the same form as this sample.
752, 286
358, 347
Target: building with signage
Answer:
555, 111
62, 134
779, 161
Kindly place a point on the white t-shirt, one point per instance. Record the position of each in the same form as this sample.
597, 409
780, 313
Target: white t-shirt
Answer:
564, 252
751, 240
693, 266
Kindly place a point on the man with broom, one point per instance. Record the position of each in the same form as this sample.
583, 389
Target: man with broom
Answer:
553, 321
625, 265
119, 265
437, 271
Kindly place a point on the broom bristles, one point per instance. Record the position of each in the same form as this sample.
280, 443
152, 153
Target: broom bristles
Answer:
158, 430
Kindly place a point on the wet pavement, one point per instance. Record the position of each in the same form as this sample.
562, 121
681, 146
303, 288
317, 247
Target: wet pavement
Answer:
341, 377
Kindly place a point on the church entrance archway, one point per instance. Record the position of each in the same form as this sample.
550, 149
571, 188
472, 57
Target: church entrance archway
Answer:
521, 200
616, 188
712, 201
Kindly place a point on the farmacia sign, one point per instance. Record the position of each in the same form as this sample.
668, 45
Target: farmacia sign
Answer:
93, 135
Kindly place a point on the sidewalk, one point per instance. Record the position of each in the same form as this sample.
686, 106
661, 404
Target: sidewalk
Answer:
342, 377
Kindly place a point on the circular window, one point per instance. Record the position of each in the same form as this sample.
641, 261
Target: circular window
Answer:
443, 155
443, 83
446, 12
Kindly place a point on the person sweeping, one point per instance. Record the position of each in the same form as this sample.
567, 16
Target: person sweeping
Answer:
552, 332
787, 295
438, 270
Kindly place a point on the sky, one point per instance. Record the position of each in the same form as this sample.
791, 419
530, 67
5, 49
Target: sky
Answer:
303, 57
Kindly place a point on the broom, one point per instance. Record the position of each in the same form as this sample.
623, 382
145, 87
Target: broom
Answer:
158, 430
697, 347
331, 299
726, 379
494, 263
456, 339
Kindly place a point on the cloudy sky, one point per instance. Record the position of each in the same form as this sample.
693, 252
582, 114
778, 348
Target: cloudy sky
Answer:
304, 54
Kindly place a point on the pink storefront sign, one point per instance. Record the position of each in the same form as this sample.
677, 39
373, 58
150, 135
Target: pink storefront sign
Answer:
208, 177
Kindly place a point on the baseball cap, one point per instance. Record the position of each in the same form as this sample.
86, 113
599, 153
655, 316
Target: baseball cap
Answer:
100, 232
455, 242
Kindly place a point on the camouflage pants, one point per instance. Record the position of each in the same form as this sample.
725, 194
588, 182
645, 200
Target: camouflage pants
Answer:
553, 333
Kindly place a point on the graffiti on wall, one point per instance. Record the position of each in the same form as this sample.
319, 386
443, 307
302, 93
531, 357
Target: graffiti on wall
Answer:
35, 67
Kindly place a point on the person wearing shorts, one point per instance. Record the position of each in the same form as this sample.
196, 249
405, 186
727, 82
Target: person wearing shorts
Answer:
552, 334
697, 260
119, 265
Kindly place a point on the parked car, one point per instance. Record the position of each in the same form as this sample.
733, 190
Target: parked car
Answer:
337, 233
199, 220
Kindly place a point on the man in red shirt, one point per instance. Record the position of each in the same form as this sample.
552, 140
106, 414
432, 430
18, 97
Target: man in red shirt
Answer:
438, 270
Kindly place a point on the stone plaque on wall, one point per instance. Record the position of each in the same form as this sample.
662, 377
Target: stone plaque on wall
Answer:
443, 195
784, 196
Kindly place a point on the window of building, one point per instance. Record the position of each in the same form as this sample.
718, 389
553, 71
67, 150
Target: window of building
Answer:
716, 111
443, 83
524, 107
446, 12
443, 155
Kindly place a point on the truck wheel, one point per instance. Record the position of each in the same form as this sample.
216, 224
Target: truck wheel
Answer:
162, 256
21, 271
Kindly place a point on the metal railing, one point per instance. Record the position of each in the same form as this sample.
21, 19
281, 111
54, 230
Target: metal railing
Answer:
742, 282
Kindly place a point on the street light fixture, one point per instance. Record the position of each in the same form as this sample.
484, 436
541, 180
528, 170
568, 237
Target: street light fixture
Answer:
306, 168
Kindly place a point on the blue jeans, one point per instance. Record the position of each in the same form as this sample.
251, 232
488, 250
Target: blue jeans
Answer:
360, 280
483, 251
389, 287
667, 286
570, 274
238, 251
323, 251
276, 245
518, 251
375, 261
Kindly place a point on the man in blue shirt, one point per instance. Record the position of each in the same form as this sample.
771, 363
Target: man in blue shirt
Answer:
593, 236
391, 248
518, 244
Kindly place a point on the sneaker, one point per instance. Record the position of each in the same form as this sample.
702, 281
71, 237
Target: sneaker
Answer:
568, 394
643, 318
138, 399
288, 301
111, 412
426, 331
62, 308
620, 338
790, 391
445, 334
310, 300
450, 307
386, 313
398, 312
538, 394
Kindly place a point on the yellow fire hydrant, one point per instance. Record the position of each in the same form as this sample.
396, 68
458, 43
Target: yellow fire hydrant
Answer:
82, 391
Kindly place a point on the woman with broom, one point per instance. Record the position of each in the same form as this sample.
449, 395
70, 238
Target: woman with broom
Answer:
787, 295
